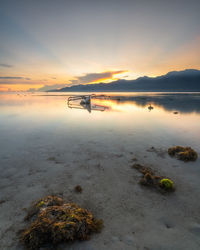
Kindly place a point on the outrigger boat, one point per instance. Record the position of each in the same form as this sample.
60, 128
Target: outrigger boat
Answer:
85, 102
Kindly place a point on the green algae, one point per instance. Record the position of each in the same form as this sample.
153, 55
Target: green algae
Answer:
167, 184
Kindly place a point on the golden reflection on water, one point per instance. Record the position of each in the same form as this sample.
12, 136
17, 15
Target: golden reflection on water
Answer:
114, 105
159, 116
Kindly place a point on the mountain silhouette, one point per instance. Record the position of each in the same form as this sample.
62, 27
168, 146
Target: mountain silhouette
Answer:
175, 81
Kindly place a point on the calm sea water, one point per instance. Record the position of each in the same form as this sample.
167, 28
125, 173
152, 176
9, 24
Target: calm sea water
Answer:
121, 121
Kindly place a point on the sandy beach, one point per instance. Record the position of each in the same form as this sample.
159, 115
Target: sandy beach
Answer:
41, 158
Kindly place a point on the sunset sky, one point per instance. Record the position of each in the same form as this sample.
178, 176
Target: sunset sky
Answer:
48, 44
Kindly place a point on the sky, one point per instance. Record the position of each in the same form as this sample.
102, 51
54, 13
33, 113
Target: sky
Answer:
48, 44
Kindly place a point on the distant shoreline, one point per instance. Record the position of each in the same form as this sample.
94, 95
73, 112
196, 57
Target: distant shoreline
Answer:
123, 91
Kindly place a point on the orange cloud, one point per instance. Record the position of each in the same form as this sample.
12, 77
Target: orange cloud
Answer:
97, 77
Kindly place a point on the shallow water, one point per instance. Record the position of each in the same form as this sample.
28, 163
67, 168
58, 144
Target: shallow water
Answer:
45, 120
47, 147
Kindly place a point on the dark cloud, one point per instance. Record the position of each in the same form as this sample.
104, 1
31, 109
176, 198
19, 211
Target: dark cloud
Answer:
5, 79
4, 65
11, 77
93, 77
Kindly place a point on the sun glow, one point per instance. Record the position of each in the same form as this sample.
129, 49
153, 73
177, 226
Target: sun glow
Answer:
113, 77
122, 75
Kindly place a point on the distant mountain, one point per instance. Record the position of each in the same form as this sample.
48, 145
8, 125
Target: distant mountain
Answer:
175, 81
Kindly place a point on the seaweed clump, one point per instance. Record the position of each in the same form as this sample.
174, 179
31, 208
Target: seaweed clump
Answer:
78, 189
59, 223
149, 179
183, 153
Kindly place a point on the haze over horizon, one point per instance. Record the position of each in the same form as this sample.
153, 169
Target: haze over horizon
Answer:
53, 44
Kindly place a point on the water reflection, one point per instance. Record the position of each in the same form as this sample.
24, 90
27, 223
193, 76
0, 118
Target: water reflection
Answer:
170, 102
182, 102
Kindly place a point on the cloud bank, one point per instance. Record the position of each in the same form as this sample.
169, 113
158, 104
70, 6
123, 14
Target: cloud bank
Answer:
12, 79
88, 78
85, 79
94, 77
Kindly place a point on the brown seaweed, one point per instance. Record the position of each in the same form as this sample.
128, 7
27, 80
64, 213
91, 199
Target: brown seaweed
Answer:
183, 153
150, 179
59, 223
78, 189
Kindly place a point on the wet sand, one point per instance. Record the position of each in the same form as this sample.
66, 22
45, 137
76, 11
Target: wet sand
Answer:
135, 217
